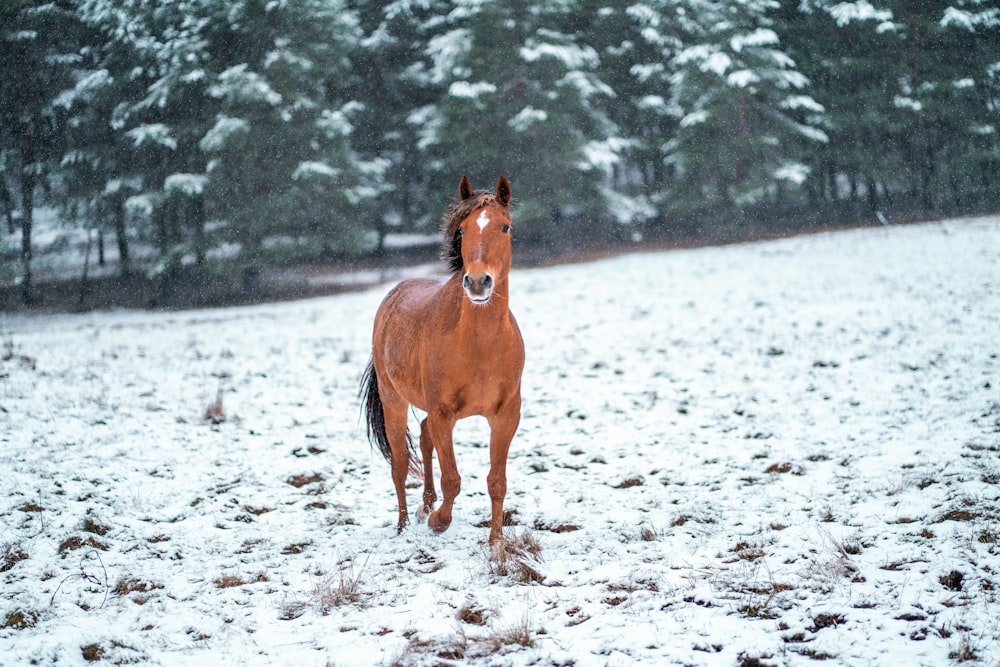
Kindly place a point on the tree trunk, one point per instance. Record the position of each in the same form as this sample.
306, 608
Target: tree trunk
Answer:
200, 243
27, 210
124, 263
8, 203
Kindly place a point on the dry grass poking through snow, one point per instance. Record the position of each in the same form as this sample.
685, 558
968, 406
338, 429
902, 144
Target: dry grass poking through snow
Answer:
518, 555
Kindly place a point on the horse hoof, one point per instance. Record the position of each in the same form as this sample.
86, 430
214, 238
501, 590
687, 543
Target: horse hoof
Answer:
438, 523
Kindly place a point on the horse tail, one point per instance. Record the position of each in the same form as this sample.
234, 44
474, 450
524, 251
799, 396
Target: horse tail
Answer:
374, 413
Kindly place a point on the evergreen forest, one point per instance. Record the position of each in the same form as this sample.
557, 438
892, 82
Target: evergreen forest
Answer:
187, 138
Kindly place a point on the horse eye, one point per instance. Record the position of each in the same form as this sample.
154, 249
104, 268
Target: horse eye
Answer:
459, 232
506, 229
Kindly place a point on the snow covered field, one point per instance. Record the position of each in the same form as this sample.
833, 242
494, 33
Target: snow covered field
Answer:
772, 453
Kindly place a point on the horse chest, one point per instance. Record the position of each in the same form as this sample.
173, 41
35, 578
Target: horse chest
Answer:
471, 374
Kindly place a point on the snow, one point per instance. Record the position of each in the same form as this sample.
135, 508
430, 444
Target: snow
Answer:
795, 102
157, 134
225, 127
904, 102
793, 172
572, 57
314, 169
717, 62
757, 38
742, 78
447, 51
527, 117
471, 90
779, 451
860, 10
189, 185
988, 18
240, 84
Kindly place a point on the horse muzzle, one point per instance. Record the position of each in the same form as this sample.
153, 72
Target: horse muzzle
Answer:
479, 288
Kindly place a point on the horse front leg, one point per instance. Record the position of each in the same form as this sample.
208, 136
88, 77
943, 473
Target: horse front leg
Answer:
427, 452
503, 425
439, 428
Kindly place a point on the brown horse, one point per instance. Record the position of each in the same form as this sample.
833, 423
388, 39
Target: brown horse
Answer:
453, 350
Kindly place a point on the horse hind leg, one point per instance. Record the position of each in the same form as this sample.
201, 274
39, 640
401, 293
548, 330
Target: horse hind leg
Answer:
427, 452
395, 426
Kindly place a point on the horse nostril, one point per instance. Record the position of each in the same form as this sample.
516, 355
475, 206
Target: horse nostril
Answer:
467, 282
487, 281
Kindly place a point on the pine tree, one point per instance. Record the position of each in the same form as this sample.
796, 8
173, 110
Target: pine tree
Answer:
391, 78
914, 81
635, 44
280, 163
745, 109
36, 61
522, 100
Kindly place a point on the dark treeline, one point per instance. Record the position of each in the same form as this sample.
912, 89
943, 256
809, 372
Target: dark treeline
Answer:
229, 135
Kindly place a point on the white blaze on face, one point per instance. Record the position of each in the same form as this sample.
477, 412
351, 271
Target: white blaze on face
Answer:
482, 220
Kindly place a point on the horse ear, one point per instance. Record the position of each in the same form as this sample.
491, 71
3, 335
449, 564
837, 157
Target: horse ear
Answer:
503, 191
464, 188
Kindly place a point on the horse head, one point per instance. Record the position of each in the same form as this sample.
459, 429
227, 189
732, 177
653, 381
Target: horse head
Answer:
478, 238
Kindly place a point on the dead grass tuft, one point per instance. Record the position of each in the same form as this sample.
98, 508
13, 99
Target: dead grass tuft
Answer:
296, 548
215, 413
965, 652
748, 551
552, 527
517, 634
91, 526
344, 587
20, 620
509, 517
821, 621
744, 660
298, 481
92, 652
827, 567
630, 482
127, 585
952, 581
229, 581
783, 468
76, 542
958, 515
517, 556
472, 615
12, 555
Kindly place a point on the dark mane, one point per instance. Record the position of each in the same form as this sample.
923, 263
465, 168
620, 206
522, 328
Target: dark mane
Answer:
457, 211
